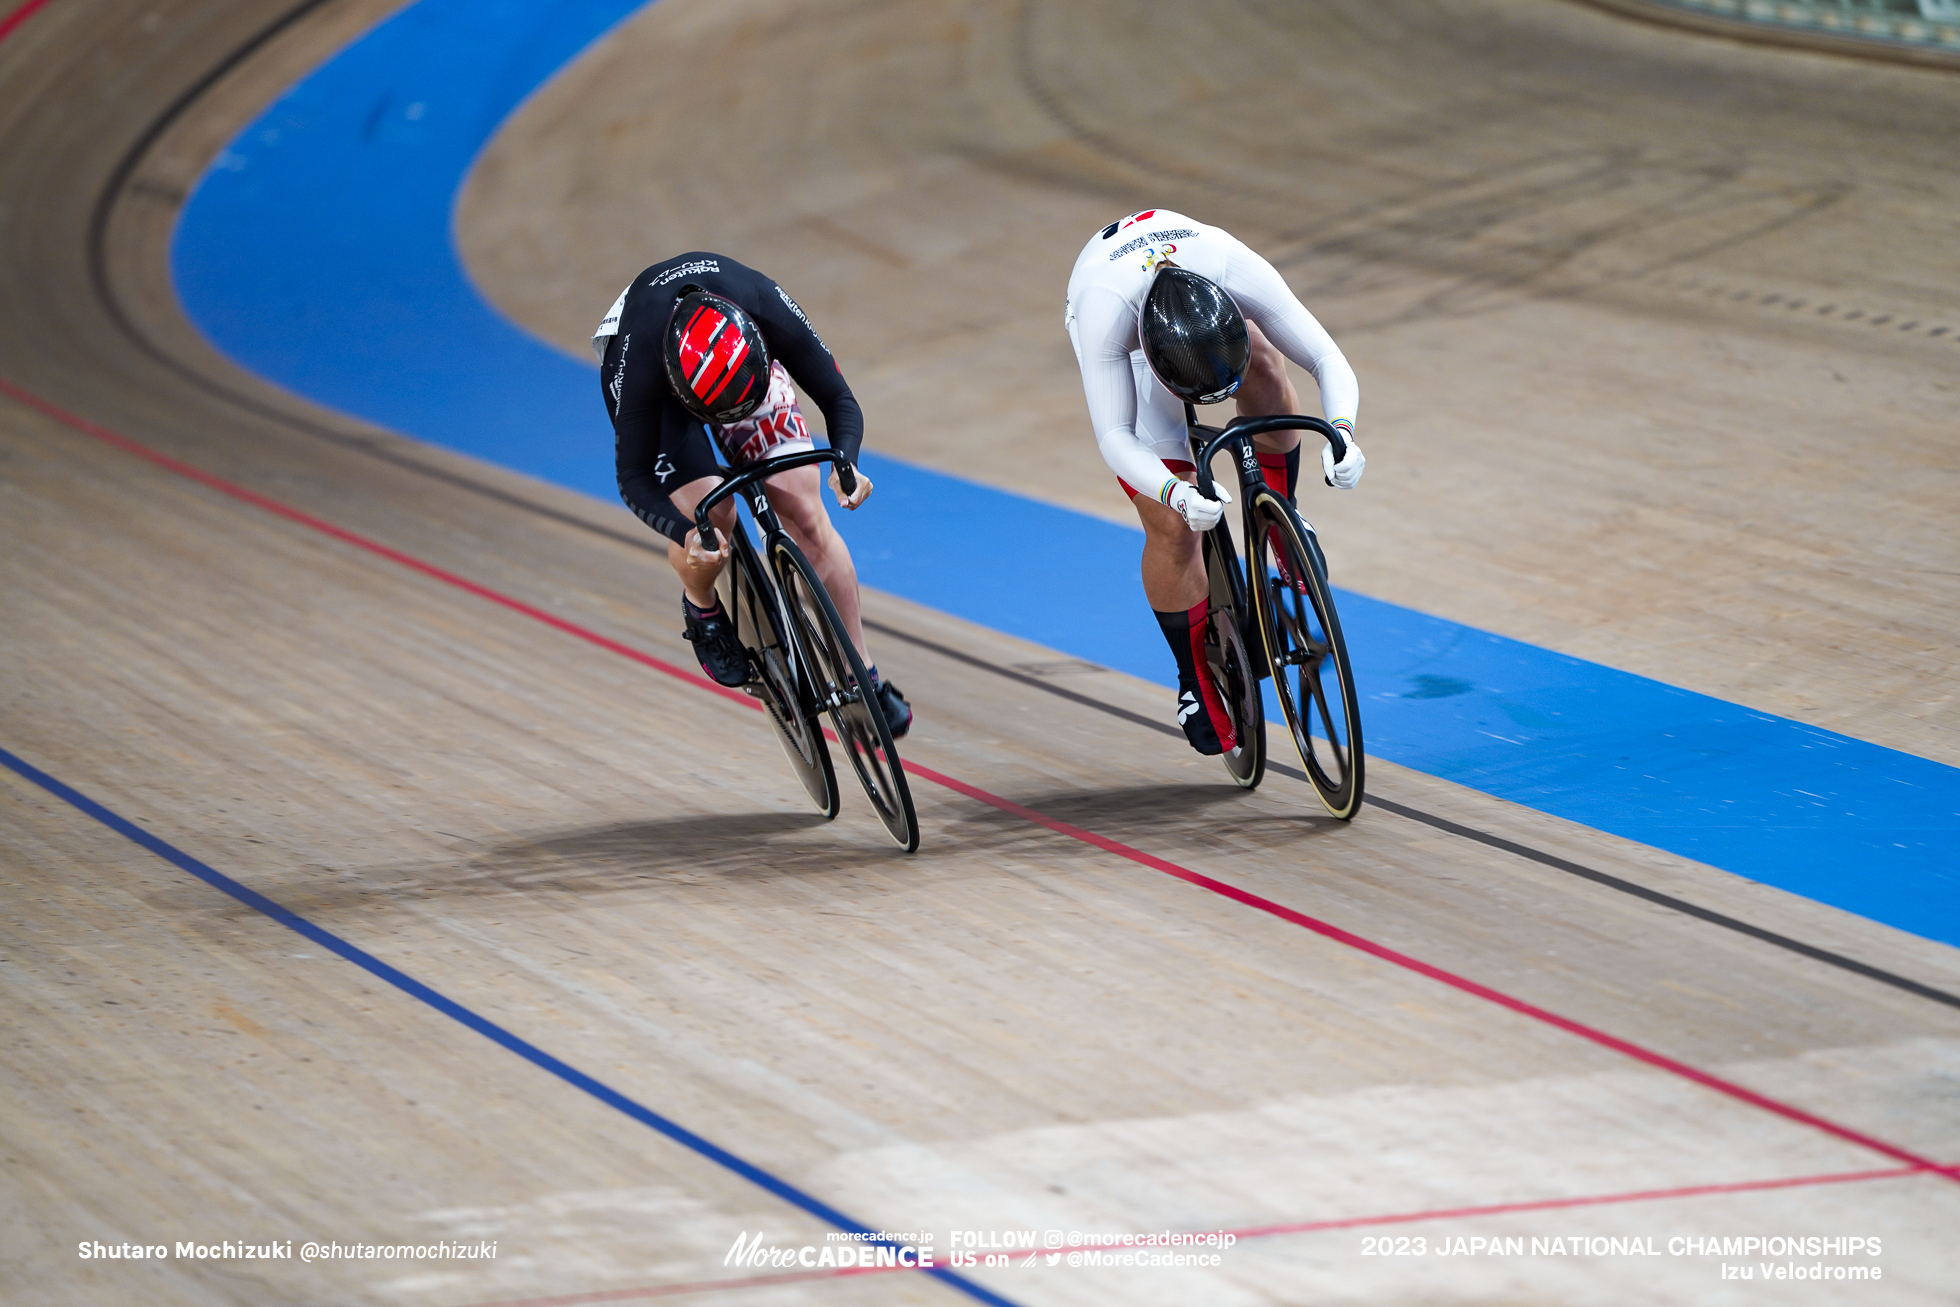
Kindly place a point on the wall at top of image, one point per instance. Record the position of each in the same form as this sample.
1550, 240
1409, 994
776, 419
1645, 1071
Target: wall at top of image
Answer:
1918, 31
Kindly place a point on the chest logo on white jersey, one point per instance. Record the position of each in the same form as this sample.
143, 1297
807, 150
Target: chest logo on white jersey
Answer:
1156, 245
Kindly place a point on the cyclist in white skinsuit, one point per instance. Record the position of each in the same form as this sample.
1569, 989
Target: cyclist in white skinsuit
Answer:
1140, 425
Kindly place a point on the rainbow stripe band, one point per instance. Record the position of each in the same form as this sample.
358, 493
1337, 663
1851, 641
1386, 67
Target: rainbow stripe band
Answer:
1164, 495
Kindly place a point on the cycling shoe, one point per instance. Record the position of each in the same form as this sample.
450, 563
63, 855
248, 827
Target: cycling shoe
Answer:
713, 636
898, 713
1196, 721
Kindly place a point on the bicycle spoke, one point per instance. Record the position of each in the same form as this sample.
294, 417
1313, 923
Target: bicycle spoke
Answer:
844, 694
777, 681
1311, 677
1332, 737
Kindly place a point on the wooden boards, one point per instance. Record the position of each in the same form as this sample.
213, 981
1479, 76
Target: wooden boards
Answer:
1015, 1030
1578, 263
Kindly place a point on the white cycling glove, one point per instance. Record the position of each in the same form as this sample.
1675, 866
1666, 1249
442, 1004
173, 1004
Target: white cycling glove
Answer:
1199, 513
1346, 474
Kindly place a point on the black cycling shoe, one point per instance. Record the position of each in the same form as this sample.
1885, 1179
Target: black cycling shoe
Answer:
1191, 715
713, 636
898, 713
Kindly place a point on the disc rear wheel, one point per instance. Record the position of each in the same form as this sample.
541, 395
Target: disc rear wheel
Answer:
1234, 674
1311, 675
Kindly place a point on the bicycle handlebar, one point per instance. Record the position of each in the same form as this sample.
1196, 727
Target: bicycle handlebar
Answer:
1243, 428
740, 478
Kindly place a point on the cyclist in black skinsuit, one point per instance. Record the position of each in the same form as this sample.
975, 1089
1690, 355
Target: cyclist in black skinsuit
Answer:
666, 462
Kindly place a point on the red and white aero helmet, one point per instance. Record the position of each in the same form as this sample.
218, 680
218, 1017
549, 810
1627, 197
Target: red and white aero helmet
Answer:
716, 360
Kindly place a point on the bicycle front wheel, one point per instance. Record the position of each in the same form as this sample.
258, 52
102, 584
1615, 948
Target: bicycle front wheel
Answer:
781, 680
843, 688
1304, 648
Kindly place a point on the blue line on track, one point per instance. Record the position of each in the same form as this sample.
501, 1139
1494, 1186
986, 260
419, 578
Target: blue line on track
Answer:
318, 252
455, 1011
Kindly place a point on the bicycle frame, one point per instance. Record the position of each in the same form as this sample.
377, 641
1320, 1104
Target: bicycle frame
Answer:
1241, 430
747, 482
1252, 478
1283, 620
830, 673
746, 557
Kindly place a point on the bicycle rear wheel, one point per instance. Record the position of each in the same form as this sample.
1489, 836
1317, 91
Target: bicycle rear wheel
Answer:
781, 681
1304, 648
843, 687
1232, 671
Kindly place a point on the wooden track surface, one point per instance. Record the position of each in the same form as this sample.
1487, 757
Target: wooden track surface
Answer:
1514, 215
1013, 1029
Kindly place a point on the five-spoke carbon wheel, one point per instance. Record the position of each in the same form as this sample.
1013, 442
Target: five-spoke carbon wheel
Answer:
1308, 657
842, 688
780, 680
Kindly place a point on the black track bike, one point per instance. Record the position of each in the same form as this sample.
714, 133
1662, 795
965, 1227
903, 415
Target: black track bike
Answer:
1274, 617
801, 663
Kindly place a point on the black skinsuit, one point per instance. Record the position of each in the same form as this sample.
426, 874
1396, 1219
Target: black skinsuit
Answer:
658, 445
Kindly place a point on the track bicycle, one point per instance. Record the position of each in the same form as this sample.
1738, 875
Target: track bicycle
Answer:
1281, 606
801, 662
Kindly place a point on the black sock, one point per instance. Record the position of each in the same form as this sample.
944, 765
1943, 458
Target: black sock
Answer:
1177, 634
700, 612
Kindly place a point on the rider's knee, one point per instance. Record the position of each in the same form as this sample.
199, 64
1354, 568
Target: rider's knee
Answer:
1265, 375
1163, 529
803, 514
1266, 388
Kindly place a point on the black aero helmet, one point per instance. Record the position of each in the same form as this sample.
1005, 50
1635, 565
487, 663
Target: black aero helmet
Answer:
1193, 336
716, 360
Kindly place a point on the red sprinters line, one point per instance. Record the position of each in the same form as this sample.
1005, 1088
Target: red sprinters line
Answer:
1450, 978
19, 16
1326, 930
409, 561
